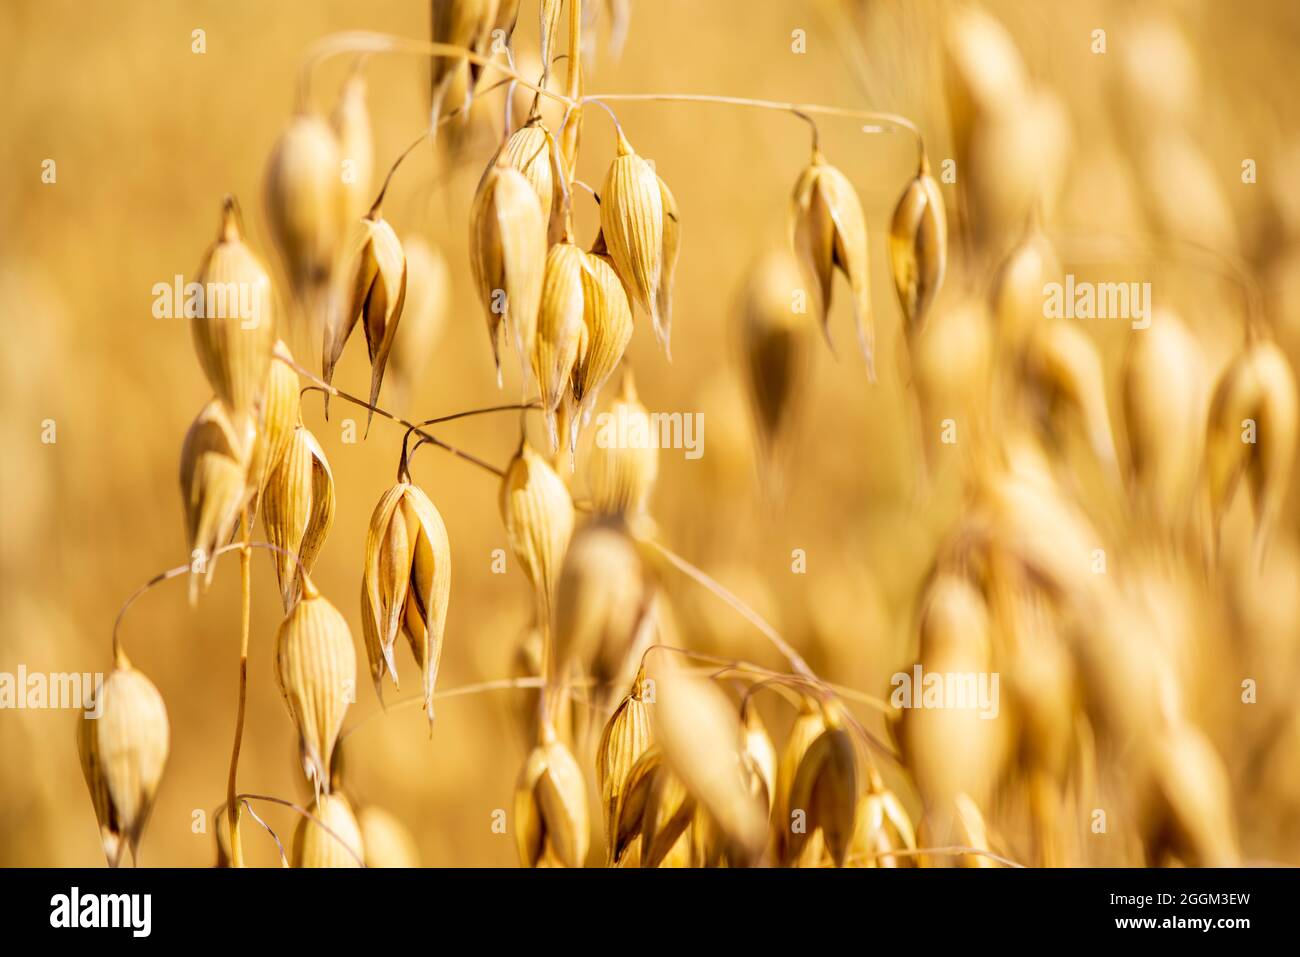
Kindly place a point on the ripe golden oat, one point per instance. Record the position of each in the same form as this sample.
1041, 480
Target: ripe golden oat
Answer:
280, 412
776, 340
828, 231
462, 23
632, 222
561, 330
351, 124
214, 489
304, 202
336, 844
386, 840
918, 247
538, 515
425, 313
123, 753
507, 244
600, 599
626, 738
621, 474
1252, 431
529, 150
1164, 392
607, 315
551, 822
825, 789
316, 669
235, 332
298, 511
406, 585
372, 289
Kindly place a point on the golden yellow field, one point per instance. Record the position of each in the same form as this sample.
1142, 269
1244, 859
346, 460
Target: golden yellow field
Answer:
1095, 515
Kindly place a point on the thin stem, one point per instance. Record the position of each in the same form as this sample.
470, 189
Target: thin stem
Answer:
364, 41
284, 860
309, 816
889, 119
753, 617
119, 654
1117, 248
573, 87
404, 468
498, 684
320, 385
374, 208
245, 590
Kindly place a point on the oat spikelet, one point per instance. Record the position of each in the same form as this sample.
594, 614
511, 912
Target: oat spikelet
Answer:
632, 222
298, 511
313, 846
882, 825
700, 733
825, 788
529, 151
214, 490
304, 201
387, 840
538, 515
552, 827
655, 808
462, 23
316, 669
1164, 393
1189, 815
406, 585
235, 331
1064, 374
808, 725
672, 248
1018, 290
372, 289
280, 411
776, 341
1252, 432
601, 596
351, 123
828, 231
623, 466
507, 244
123, 753
607, 315
918, 247
626, 738
424, 316
561, 330
759, 752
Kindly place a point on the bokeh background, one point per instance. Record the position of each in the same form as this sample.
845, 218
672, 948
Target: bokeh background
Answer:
148, 137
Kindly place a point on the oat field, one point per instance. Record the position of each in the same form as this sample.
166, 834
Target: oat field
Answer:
614, 433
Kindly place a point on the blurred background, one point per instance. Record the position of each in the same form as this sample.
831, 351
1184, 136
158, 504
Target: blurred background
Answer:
1143, 144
